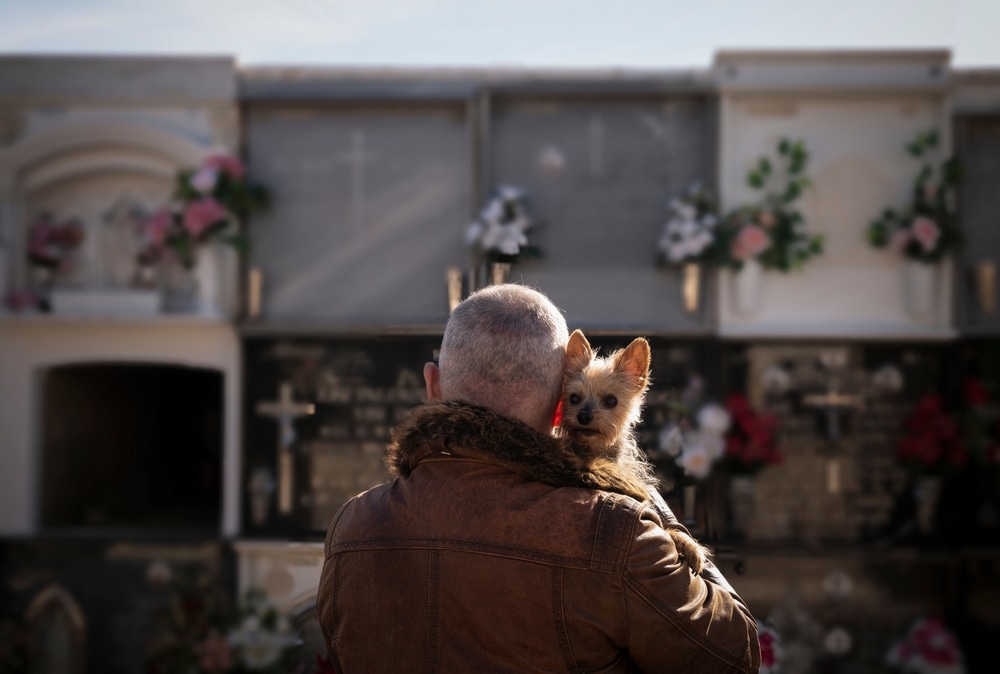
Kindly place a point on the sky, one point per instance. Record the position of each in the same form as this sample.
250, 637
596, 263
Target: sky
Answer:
636, 34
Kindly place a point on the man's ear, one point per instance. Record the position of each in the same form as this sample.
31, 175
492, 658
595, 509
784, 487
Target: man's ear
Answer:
432, 380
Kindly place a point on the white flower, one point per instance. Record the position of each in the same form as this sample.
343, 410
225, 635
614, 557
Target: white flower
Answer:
695, 459
492, 212
713, 418
671, 440
204, 180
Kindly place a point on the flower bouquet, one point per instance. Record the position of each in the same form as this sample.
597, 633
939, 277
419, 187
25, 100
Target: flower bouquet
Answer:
931, 444
771, 231
500, 233
51, 244
210, 203
927, 648
926, 229
200, 633
771, 651
750, 442
689, 232
695, 438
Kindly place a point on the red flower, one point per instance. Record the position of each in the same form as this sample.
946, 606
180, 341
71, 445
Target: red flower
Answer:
750, 442
231, 166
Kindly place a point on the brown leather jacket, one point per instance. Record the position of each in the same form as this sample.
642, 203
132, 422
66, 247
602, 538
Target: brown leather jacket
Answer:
467, 562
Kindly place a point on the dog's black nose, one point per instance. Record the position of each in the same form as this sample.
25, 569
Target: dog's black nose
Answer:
584, 417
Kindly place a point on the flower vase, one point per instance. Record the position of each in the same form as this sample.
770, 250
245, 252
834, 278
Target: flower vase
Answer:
214, 272
499, 273
746, 287
691, 286
742, 502
919, 288
986, 285
926, 496
179, 288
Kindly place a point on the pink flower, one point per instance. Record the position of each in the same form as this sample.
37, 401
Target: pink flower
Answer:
231, 166
750, 242
899, 240
202, 214
159, 225
926, 232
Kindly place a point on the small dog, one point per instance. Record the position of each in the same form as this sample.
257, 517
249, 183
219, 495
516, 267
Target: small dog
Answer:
602, 402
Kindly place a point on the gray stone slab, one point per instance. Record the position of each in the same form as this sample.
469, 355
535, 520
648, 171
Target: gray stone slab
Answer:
370, 207
176, 79
602, 214
978, 146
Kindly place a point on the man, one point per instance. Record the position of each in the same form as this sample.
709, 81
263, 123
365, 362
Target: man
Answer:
467, 562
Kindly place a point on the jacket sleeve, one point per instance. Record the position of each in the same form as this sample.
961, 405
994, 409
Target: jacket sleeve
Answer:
677, 621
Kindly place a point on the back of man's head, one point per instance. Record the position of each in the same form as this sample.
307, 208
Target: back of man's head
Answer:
505, 348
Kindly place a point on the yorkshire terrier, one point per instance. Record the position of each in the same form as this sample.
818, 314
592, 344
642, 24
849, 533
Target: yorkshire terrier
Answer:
602, 402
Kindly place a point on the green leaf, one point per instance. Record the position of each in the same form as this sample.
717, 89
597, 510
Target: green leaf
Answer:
755, 180
765, 166
784, 147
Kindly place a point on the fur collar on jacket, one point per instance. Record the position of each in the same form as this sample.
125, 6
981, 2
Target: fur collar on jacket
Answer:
462, 429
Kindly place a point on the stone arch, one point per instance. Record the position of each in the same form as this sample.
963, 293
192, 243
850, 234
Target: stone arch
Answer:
58, 632
76, 165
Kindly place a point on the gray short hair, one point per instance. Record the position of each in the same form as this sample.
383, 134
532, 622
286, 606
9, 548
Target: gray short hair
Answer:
505, 347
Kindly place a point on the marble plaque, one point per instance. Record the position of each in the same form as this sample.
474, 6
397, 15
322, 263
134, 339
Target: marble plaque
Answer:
369, 210
978, 142
599, 175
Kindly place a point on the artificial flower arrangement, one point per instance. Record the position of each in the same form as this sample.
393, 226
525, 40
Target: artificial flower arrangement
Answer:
931, 443
200, 633
500, 233
210, 202
51, 244
696, 439
928, 648
689, 232
926, 229
771, 650
771, 230
750, 441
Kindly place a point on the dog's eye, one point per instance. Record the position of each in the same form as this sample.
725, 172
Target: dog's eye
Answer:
574, 399
610, 401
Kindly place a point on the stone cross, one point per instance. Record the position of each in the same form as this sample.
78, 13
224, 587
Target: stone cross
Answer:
833, 403
286, 411
357, 158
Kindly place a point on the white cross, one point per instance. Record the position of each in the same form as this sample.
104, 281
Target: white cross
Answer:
357, 158
595, 134
286, 411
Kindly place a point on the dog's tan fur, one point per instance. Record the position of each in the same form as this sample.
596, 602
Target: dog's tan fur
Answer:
602, 402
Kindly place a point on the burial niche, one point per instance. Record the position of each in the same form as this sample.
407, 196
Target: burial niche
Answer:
131, 446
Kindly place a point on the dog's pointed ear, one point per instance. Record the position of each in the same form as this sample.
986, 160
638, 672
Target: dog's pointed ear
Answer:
578, 352
634, 360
